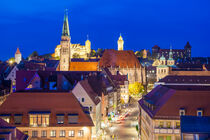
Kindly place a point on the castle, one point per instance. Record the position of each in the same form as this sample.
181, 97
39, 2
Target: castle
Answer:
75, 50
185, 53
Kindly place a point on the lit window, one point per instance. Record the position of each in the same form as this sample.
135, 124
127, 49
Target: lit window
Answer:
43, 133
160, 138
168, 137
199, 112
39, 119
60, 118
62, 133
169, 124
161, 124
5, 118
178, 125
25, 132
53, 133
80, 133
181, 112
34, 134
71, 133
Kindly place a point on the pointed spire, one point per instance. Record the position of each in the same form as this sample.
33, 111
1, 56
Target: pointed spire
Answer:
170, 53
87, 37
120, 38
17, 51
65, 31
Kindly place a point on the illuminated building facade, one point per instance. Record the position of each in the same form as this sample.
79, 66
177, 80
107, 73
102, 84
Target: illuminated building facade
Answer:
162, 108
74, 50
47, 115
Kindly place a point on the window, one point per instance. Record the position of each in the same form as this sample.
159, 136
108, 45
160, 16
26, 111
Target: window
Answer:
60, 118
71, 133
5, 118
168, 137
18, 118
39, 119
91, 108
161, 124
34, 134
178, 125
53, 133
43, 133
80, 133
181, 112
62, 133
83, 99
73, 118
25, 132
169, 124
200, 112
160, 138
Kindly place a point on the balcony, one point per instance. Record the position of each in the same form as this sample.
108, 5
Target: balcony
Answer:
167, 131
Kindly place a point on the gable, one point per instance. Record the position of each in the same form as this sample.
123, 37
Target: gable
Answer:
80, 93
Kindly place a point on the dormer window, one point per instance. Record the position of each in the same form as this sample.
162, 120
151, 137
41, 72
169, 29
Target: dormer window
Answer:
199, 112
182, 112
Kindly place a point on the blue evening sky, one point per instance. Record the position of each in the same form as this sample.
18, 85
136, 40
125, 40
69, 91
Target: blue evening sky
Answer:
35, 25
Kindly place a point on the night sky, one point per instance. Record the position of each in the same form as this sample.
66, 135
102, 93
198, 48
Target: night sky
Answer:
35, 25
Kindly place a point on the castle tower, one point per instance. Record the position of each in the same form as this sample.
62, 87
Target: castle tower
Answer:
120, 43
65, 45
170, 60
187, 49
18, 56
88, 45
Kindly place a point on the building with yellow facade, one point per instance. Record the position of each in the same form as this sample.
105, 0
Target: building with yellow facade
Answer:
76, 50
160, 110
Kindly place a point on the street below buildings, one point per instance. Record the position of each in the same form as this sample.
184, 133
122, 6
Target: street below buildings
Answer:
125, 129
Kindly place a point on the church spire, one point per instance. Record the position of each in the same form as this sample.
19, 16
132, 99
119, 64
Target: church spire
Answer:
170, 53
65, 31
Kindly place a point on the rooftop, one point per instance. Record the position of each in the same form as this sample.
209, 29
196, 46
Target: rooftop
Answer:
55, 103
166, 101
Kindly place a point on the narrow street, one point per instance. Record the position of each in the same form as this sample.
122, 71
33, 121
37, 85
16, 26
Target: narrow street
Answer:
125, 129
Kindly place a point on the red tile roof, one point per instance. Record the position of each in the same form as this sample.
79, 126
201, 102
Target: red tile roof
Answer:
18, 51
56, 103
168, 100
83, 66
123, 59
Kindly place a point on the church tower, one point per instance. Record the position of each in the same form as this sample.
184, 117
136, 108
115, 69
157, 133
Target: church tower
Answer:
170, 60
120, 43
65, 45
18, 56
88, 45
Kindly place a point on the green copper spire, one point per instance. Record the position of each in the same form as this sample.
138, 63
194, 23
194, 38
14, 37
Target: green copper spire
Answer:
65, 31
170, 53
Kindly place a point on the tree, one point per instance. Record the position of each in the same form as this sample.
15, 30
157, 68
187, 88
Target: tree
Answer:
100, 52
139, 53
136, 88
34, 54
92, 53
76, 55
